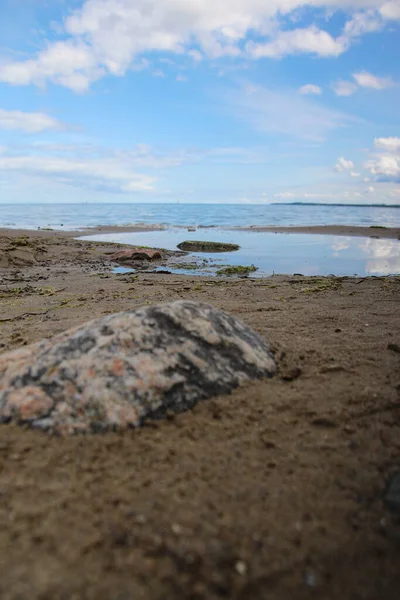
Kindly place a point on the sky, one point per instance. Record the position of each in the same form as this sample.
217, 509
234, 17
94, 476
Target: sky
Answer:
199, 101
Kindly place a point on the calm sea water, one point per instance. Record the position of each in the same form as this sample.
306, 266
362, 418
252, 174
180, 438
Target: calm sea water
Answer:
279, 253
284, 253
72, 216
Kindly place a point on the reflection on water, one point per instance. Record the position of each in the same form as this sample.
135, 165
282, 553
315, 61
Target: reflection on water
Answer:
384, 256
281, 253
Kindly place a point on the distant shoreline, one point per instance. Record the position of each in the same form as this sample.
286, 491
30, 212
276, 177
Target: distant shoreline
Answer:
331, 204
340, 204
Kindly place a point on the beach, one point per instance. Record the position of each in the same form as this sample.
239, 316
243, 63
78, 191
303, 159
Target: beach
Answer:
277, 490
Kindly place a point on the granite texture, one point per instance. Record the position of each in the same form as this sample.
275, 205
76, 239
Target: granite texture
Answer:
114, 372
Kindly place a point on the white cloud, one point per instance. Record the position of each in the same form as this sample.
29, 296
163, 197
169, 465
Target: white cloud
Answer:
110, 36
310, 88
353, 174
344, 88
363, 22
70, 63
362, 79
391, 10
28, 122
386, 166
92, 167
390, 144
343, 165
310, 40
181, 78
109, 173
283, 112
196, 55
368, 80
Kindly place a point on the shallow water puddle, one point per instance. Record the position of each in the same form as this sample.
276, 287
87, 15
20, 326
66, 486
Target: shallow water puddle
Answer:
275, 252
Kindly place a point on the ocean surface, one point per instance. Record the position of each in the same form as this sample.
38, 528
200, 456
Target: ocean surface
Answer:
269, 252
73, 216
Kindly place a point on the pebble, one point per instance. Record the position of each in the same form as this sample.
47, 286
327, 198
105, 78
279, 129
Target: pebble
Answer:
241, 568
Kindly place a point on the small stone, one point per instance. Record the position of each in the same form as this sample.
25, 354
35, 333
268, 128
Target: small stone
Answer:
241, 568
176, 529
290, 373
324, 422
310, 579
141, 519
394, 347
117, 371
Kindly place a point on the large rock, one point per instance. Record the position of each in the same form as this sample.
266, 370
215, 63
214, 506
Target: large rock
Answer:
118, 370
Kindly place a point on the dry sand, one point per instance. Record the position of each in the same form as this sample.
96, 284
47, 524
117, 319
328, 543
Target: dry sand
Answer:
275, 491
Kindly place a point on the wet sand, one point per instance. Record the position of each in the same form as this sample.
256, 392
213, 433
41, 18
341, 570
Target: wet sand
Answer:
345, 230
276, 491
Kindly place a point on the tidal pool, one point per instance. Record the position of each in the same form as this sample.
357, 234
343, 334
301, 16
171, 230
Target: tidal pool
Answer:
283, 253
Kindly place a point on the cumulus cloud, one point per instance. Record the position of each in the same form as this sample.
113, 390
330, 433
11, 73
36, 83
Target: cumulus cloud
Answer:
385, 166
28, 122
110, 36
368, 80
343, 165
390, 144
310, 88
391, 10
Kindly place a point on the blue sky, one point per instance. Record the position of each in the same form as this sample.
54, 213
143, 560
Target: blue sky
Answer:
243, 101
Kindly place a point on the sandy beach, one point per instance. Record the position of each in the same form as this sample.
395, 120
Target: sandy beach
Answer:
275, 491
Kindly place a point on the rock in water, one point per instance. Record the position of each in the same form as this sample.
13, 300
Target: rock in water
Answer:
114, 372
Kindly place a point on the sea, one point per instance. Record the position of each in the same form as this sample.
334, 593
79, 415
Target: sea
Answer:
74, 216
269, 252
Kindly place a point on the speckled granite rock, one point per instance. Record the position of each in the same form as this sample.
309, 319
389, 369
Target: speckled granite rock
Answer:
114, 372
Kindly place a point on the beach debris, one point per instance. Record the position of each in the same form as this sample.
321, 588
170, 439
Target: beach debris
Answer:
198, 246
136, 254
115, 372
